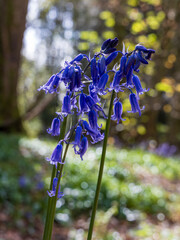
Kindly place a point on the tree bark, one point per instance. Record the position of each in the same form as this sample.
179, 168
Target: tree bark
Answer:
12, 26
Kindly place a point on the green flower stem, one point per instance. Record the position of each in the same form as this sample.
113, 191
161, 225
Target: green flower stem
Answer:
53, 174
54, 199
90, 232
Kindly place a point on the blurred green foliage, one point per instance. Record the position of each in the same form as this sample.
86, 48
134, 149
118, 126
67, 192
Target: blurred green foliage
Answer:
136, 184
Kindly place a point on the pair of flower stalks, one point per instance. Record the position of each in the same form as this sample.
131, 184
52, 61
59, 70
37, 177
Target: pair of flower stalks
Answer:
76, 101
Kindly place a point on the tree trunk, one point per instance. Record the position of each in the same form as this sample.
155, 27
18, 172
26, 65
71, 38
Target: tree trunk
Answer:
12, 26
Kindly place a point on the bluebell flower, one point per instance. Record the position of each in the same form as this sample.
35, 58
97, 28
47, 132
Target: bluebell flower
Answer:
140, 57
65, 75
77, 140
129, 77
92, 105
117, 111
94, 133
123, 64
130, 63
150, 51
66, 107
52, 85
111, 57
115, 84
83, 107
56, 155
78, 58
83, 147
55, 127
102, 65
78, 84
94, 71
109, 45
92, 117
137, 84
52, 192
93, 93
102, 83
134, 104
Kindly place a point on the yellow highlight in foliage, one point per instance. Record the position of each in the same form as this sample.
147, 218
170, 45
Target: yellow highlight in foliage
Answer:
142, 39
178, 87
108, 34
83, 46
126, 105
134, 14
152, 38
127, 122
168, 65
132, 3
160, 16
92, 36
138, 26
153, 22
152, 92
171, 58
105, 15
164, 87
110, 22
152, 2
141, 129
167, 108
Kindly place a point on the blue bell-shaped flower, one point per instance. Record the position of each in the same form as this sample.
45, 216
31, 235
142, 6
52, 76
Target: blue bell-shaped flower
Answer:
56, 155
134, 104
117, 111
83, 147
55, 127
52, 192
66, 107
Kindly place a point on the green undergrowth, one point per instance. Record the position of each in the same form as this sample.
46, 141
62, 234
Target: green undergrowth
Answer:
25, 176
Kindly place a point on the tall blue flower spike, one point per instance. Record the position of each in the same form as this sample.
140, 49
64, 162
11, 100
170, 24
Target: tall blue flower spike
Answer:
98, 83
134, 104
55, 126
117, 111
52, 192
56, 155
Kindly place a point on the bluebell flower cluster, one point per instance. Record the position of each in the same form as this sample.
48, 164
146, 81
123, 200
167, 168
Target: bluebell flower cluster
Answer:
84, 93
